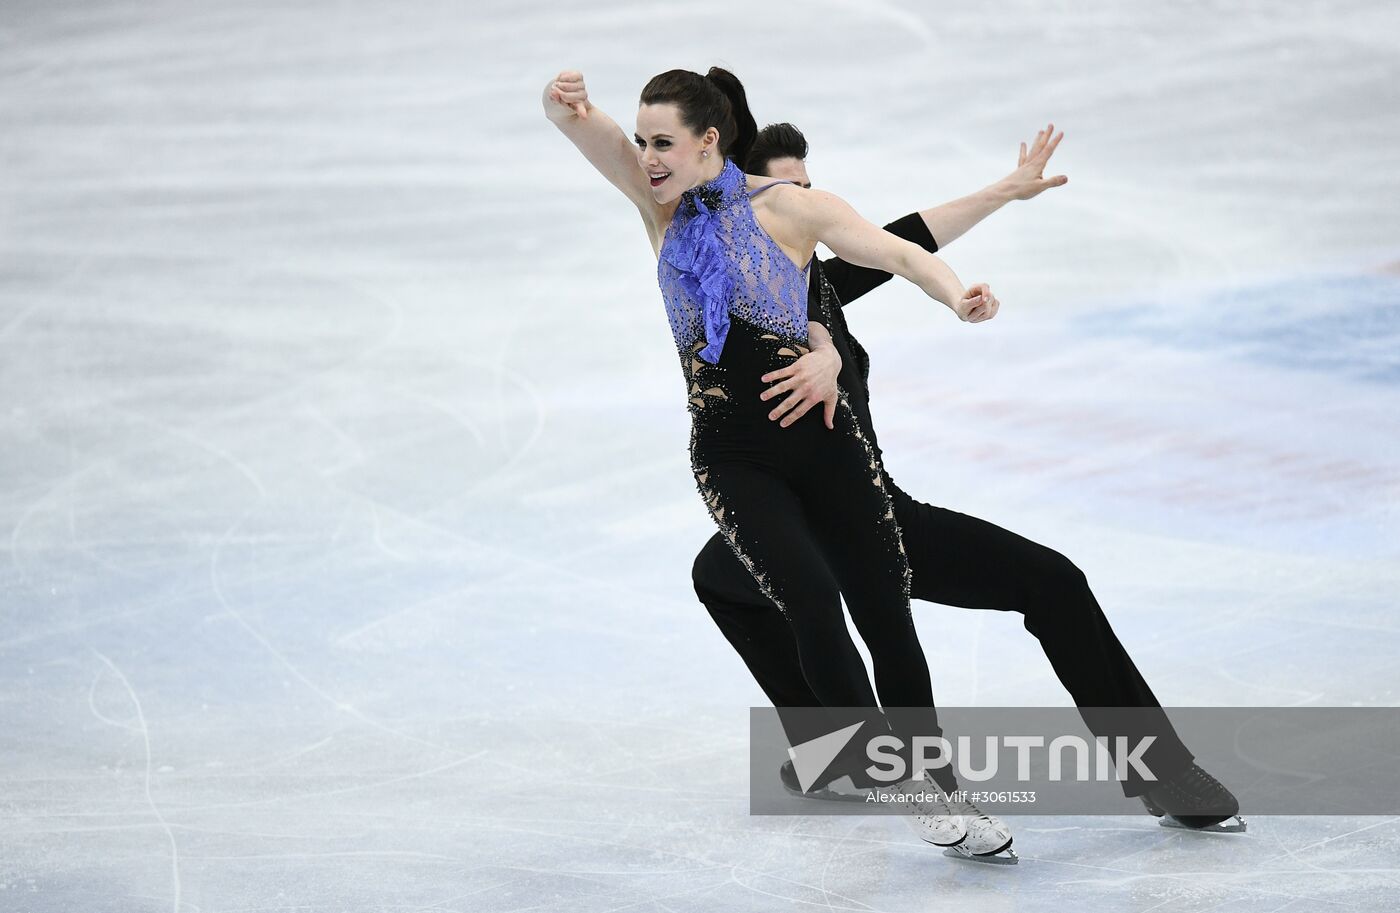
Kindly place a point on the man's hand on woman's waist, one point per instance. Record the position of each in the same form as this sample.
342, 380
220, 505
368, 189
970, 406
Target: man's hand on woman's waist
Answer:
809, 380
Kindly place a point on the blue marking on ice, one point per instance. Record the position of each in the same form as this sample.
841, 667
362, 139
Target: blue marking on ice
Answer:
1343, 325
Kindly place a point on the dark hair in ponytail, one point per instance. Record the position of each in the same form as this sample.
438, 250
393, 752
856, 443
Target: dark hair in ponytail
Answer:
714, 100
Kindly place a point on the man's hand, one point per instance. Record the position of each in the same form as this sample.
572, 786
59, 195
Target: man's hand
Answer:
1028, 179
809, 380
950, 221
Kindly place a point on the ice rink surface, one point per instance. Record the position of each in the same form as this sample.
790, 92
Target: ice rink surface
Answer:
346, 512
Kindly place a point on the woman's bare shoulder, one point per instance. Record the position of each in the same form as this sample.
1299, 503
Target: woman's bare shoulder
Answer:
785, 196
786, 206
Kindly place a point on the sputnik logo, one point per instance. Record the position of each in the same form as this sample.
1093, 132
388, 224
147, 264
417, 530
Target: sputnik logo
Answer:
811, 759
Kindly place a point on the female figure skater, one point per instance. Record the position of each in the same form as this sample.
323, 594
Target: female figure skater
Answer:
955, 559
733, 258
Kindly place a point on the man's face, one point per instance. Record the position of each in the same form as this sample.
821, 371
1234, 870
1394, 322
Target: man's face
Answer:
790, 169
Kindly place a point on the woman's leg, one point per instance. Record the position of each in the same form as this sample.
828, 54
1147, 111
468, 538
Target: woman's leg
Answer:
852, 518
762, 519
785, 498
861, 543
752, 623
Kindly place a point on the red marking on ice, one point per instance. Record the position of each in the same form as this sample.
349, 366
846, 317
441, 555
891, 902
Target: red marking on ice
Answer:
1239, 475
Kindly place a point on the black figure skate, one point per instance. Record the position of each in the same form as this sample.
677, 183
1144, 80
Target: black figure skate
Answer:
840, 789
1194, 800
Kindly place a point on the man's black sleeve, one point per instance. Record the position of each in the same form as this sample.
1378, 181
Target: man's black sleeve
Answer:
851, 281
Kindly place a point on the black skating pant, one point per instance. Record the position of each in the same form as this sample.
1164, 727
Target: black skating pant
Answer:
805, 518
955, 560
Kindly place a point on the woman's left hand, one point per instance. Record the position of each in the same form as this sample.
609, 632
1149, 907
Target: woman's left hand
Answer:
809, 380
977, 304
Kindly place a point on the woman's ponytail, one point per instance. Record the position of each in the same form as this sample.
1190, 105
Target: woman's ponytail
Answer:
745, 128
714, 100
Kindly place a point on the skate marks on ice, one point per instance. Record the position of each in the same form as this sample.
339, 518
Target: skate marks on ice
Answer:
1260, 413
279, 443
1277, 864
1218, 485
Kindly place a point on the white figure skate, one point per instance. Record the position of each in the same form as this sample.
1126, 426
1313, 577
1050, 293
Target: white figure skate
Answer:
962, 829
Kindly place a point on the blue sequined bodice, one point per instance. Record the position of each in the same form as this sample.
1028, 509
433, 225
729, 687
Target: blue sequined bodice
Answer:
716, 260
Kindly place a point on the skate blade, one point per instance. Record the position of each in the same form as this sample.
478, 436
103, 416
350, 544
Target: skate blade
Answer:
1006, 856
830, 795
1234, 825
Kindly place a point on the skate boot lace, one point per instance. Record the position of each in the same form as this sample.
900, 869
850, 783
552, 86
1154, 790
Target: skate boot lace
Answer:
930, 811
1198, 778
973, 817
1197, 789
967, 809
930, 815
984, 834
1190, 794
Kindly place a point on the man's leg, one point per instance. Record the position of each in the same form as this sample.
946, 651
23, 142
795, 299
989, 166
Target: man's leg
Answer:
752, 623
959, 560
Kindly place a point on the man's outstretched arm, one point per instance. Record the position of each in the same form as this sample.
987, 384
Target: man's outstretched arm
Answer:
850, 281
952, 220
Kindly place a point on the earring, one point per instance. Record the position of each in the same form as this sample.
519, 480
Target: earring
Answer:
706, 153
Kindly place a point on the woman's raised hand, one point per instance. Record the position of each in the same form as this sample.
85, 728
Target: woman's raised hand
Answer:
977, 304
568, 93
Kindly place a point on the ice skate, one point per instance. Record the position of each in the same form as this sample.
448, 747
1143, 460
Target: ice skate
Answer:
927, 812
959, 827
840, 789
987, 839
1194, 800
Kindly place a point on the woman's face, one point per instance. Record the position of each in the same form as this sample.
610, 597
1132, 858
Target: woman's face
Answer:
673, 157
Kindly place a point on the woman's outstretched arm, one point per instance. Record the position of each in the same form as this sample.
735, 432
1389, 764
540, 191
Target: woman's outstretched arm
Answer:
597, 136
825, 217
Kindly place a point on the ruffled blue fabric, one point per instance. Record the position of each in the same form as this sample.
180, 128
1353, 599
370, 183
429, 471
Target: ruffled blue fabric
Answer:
699, 256
717, 264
